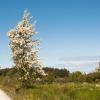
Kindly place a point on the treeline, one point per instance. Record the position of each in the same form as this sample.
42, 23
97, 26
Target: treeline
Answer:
59, 75
63, 75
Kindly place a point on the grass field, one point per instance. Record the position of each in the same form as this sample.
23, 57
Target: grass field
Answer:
54, 91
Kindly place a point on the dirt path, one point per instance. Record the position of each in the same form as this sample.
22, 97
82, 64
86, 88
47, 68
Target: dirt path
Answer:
4, 96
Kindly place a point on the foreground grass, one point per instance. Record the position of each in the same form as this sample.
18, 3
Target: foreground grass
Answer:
54, 91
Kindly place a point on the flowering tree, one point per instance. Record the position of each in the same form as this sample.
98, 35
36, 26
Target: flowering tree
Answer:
24, 49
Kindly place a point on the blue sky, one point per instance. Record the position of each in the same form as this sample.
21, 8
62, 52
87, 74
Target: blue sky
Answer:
67, 28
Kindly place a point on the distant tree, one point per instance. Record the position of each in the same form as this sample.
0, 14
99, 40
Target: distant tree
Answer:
93, 77
98, 69
75, 76
61, 73
55, 73
24, 50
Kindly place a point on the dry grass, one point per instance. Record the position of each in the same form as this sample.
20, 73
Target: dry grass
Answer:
55, 91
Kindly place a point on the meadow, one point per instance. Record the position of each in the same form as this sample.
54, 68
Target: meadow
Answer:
52, 91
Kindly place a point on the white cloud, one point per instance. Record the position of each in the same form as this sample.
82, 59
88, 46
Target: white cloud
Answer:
80, 60
81, 63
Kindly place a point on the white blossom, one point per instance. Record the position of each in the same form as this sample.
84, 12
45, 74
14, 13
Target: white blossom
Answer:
24, 55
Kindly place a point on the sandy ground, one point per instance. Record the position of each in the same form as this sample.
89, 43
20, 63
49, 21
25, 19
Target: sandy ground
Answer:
4, 96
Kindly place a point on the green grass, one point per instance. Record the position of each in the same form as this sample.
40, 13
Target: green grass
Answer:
54, 91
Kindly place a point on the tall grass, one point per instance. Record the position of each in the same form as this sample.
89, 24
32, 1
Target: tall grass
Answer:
54, 91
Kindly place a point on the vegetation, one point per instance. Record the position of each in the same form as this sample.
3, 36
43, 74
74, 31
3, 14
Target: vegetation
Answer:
59, 84
57, 75
24, 51
54, 91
